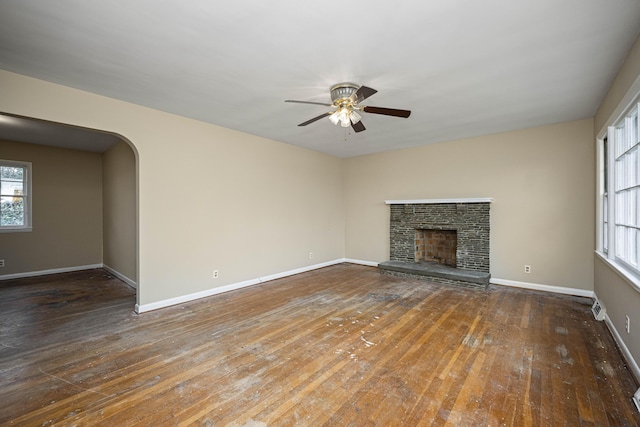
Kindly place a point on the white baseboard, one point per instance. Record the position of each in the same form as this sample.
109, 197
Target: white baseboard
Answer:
300, 270
121, 276
50, 271
504, 282
142, 308
631, 362
545, 288
361, 262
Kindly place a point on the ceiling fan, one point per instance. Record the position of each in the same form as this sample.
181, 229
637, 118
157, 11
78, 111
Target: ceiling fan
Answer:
345, 100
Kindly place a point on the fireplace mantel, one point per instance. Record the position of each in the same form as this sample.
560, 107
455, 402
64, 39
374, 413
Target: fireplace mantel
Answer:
437, 201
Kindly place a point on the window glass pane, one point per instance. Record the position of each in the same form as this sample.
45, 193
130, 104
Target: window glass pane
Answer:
619, 245
637, 207
637, 162
619, 141
628, 133
633, 247
10, 188
636, 249
12, 172
11, 180
11, 211
633, 129
619, 175
619, 209
632, 167
631, 207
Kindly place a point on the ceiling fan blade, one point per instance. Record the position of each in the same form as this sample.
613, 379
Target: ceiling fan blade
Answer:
315, 119
387, 111
309, 102
361, 94
358, 127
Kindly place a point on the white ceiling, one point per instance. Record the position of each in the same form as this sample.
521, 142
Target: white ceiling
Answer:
464, 67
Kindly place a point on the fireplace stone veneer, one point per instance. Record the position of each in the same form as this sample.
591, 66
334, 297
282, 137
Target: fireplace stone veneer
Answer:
469, 218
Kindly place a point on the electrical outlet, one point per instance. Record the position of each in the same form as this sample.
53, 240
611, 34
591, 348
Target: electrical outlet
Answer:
216, 274
310, 255
527, 269
1, 263
627, 324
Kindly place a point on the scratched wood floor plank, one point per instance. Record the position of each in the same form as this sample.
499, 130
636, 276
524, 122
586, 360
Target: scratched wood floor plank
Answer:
339, 346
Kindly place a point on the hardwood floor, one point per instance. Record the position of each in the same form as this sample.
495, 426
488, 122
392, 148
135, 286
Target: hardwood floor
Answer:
339, 346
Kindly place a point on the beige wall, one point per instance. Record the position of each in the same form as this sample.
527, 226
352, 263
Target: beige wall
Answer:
67, 211
615, 293
119, 210
541, 180
626, 77
619, 300
209, 197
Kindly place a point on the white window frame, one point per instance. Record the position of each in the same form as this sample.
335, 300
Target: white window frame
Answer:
611, 247
27, 197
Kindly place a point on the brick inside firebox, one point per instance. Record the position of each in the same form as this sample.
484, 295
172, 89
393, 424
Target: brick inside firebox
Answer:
436, 246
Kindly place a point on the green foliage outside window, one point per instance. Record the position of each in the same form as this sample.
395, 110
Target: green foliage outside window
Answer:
12, 212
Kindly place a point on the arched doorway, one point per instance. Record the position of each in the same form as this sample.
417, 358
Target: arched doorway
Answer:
112, 161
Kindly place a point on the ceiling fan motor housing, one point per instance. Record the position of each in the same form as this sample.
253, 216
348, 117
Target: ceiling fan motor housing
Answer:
342, 91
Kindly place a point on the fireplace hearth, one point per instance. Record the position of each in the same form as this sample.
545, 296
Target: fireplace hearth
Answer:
444, 240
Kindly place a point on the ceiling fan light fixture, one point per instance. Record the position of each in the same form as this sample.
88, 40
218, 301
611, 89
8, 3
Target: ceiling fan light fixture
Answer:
345, 117
334, 118
355, 117
345, 120
341, 117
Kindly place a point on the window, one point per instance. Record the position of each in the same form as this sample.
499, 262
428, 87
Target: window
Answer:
621, 192
15, 196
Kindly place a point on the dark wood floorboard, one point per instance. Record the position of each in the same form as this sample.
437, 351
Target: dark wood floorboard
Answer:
339, 346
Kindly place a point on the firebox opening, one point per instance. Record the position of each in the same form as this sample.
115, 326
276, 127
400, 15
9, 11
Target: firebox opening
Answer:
436, 246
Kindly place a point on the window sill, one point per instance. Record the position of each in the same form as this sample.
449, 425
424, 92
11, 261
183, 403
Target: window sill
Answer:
16, 230
628, 277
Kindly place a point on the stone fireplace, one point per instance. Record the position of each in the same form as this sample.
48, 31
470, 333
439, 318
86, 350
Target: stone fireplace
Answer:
443, 240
